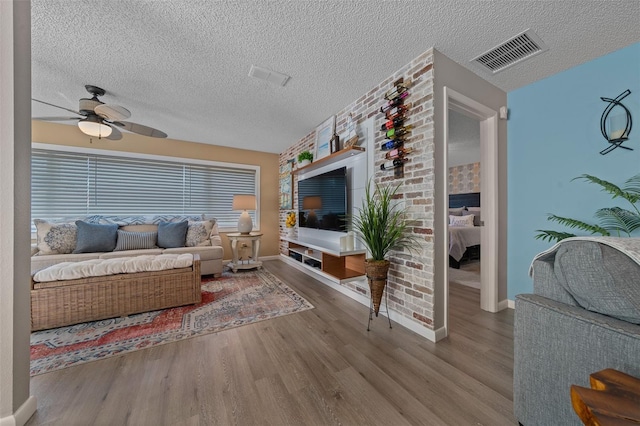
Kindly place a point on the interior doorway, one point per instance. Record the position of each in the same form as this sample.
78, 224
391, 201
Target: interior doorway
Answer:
465, 212
487, 118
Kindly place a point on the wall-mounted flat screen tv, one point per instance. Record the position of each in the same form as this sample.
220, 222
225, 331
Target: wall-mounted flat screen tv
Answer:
322, 201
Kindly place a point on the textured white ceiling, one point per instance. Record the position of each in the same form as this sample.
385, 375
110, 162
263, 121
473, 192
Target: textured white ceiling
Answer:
182, 66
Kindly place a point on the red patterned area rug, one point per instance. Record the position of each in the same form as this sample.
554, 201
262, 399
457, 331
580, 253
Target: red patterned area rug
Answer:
230, 301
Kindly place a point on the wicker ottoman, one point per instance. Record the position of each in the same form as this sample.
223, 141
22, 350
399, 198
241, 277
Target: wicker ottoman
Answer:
61, 303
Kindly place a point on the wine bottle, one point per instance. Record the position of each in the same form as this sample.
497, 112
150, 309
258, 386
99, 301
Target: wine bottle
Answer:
398, 162
397, 153
394, 102
392, 123
388, 145
396, 132
397, 90
396, 112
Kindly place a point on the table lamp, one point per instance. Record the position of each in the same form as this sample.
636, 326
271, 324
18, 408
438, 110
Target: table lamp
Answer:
244, 202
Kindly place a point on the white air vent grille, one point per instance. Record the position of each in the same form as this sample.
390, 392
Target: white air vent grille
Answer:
511, 52
268, 75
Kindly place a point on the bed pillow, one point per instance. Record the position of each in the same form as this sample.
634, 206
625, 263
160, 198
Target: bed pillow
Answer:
172, 234
55, 237
95, 238
476, 215
457, 211
128, 240
464, 221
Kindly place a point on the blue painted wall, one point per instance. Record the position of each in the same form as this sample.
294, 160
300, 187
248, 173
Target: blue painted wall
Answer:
554, 136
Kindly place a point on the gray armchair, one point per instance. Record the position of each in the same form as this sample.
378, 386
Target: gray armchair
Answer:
583, 317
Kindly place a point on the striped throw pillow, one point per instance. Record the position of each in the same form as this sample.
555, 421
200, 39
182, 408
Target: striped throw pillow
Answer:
128, 240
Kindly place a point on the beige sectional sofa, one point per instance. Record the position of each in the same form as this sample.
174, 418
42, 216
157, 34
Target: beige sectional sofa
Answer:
57, 240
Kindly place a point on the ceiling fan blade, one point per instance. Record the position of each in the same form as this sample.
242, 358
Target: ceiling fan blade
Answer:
112, 112
140, 129
57, 106
57, 118
115, 134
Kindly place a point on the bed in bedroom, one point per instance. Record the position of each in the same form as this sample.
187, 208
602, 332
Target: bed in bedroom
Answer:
464, 228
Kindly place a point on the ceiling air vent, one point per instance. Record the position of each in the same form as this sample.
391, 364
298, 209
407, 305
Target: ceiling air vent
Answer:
272, 77
517, 49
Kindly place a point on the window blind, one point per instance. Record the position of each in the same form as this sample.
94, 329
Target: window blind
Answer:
69, 184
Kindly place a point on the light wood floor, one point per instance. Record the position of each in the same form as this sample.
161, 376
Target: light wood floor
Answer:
318, 367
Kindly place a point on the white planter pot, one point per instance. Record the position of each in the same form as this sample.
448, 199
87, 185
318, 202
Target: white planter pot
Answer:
303, 163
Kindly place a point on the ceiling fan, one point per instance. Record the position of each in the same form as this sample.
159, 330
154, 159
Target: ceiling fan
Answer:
102, 120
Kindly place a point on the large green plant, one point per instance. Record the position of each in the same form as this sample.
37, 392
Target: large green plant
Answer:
611, 220
380, 223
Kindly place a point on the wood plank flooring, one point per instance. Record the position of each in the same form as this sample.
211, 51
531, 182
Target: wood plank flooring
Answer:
318, 367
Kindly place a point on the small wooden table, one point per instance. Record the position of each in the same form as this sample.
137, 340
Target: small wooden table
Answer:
237, 263
614, 399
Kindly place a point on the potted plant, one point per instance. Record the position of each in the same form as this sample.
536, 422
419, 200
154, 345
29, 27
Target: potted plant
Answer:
612, 220
381, 225
304, 158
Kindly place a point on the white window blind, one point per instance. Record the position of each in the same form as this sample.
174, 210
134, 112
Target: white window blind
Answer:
70, 184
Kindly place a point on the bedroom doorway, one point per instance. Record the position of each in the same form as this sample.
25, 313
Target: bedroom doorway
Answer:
458, 106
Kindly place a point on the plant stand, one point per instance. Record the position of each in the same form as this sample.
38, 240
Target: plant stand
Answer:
377, 272
372, 311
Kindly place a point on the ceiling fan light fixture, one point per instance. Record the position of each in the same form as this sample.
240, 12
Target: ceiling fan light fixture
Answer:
93, 126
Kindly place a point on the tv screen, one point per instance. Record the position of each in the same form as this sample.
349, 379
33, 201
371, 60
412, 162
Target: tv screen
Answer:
322, 201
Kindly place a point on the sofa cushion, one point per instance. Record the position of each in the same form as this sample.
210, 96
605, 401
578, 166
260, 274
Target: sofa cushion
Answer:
199, 233
600, 278
172, 234
173, 218
129, 253
206, 252
457, 211
93, 237
140, 228
135, 240
55, 237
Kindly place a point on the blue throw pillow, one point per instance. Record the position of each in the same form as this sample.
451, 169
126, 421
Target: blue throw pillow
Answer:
94, 238
172, 234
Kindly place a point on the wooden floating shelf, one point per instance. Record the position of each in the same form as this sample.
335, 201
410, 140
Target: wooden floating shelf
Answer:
336, 156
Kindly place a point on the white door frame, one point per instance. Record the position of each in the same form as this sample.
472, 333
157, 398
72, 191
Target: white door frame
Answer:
488, 197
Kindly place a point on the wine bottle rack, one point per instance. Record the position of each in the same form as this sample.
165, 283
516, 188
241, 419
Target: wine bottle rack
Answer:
396, 132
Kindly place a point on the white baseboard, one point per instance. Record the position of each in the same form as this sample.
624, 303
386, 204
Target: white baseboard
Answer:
511, 304
503, 304
364, 300
22, 414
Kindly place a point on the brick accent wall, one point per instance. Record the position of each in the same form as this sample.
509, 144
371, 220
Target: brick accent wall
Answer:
464, 179
410, 283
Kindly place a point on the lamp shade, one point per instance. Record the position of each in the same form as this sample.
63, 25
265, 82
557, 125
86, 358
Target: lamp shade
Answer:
312, 203
93, 126
244, 202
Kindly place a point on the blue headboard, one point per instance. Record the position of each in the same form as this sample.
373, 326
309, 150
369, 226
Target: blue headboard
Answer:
471, 199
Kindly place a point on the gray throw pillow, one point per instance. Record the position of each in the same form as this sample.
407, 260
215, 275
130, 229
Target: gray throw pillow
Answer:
457, 211
600, 278
95, 238
172, 234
